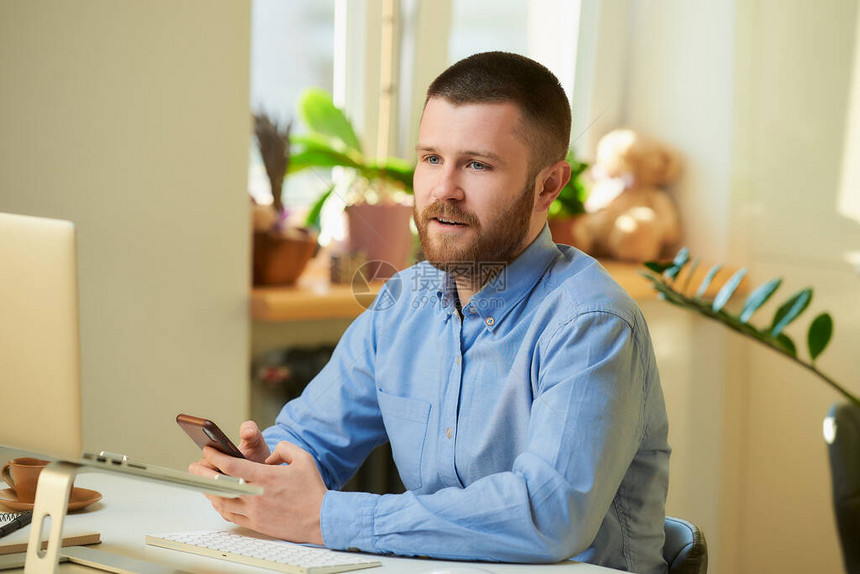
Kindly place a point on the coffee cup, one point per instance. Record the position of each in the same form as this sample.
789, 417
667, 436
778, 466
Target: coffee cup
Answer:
22, 476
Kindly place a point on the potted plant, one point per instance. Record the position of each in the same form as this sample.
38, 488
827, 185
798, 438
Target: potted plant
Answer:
844, 456
564, 211
663, 277
378, 206
281, 250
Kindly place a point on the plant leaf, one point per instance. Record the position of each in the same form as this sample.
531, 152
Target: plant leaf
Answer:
681, 257
789, 311
671, 272
819, 335
657, 267
394, 169
758, 298
317, 140
693, 267
318, 111
785, 344
728, 290
319, 157
706, 282
678, 263
313, 218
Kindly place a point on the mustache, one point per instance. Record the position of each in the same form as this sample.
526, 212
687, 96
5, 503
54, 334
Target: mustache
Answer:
448, 211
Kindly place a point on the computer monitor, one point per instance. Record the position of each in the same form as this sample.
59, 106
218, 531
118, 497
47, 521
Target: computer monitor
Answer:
40, 388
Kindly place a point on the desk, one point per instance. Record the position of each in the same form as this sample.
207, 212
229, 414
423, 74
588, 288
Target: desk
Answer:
131, 509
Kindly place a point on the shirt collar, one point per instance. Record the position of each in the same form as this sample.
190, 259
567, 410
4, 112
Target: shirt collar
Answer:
498, 298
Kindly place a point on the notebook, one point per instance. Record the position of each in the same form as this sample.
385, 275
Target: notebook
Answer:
17, 541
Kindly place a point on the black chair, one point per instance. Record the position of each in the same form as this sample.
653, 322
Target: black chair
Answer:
685, 549
842, 433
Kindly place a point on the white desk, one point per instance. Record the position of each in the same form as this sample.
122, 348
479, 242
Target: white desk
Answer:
132, 508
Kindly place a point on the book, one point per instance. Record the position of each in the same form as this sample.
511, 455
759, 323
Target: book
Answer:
18, 540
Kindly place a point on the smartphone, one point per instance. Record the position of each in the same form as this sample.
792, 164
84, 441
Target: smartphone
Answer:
206, 433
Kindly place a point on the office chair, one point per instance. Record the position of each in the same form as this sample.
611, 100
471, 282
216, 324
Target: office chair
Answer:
685, 549
842, 433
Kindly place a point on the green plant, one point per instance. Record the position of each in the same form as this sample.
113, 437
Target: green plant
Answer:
331, 141
571, 200
664, 276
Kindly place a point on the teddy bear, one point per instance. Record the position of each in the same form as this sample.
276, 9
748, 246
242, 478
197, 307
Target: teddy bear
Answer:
629, 215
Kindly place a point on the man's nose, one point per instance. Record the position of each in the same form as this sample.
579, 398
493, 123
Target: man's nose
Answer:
447, 186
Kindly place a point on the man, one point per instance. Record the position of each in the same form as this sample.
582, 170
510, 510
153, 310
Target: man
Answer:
514, 379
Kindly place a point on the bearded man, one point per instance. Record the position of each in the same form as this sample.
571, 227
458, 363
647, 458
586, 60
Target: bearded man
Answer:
514, 379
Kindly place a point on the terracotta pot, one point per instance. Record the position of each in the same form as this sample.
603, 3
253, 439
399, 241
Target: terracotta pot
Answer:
381, 232
562, 229
280, 259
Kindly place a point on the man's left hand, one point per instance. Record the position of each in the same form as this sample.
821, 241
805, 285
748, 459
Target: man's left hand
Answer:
289, 507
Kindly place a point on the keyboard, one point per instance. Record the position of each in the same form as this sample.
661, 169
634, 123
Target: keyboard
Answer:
263, 552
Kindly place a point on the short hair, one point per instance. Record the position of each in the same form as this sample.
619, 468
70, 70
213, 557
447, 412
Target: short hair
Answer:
496, 77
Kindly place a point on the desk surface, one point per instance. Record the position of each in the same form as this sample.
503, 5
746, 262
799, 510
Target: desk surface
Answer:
132, 508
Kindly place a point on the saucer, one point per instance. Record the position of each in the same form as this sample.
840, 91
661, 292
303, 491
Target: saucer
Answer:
81, 498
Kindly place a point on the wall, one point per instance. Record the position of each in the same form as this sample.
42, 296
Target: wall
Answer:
793, 127
131, 119
756, 95
676, 83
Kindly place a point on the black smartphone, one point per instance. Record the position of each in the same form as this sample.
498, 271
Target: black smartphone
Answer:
206, 433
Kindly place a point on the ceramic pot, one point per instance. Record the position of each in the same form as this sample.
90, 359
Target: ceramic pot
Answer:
562, 229
279, 259
381, 232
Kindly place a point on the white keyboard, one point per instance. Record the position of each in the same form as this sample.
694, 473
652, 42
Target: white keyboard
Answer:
265, 553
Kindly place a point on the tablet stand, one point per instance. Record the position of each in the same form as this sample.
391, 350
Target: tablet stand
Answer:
52, 501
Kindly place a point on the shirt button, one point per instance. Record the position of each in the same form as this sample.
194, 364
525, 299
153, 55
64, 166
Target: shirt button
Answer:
490, 321
448, 432
472, 310
458, 360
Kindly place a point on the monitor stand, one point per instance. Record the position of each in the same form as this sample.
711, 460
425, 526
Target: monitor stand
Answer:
52, 501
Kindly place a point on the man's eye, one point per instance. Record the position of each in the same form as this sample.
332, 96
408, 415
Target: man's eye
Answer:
478, 166
433, 159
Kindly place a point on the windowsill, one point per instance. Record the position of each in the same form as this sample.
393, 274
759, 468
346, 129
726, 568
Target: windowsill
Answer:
313, 297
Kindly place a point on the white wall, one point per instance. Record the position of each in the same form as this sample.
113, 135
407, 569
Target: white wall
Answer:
793, 122
755, 95
670, 74
131, 119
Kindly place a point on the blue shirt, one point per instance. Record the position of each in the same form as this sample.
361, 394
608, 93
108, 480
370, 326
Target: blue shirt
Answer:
531, 430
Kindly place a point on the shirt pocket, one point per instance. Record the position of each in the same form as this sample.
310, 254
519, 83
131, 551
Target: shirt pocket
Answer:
406, 425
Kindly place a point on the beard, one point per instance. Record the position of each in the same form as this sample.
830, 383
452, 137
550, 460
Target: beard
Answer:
488, 250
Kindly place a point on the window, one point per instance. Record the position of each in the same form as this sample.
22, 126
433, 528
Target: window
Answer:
335, 44
487, 25
292, 48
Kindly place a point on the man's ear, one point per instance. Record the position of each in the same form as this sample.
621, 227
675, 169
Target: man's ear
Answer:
550, 181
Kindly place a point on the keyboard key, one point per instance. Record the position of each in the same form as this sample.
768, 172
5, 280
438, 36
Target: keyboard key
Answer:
276, 555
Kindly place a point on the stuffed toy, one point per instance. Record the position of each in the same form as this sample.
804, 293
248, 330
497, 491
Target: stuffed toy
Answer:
629, 215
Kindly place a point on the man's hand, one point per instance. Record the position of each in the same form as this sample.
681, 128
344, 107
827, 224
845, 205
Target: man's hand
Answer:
289, 507
252, 445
